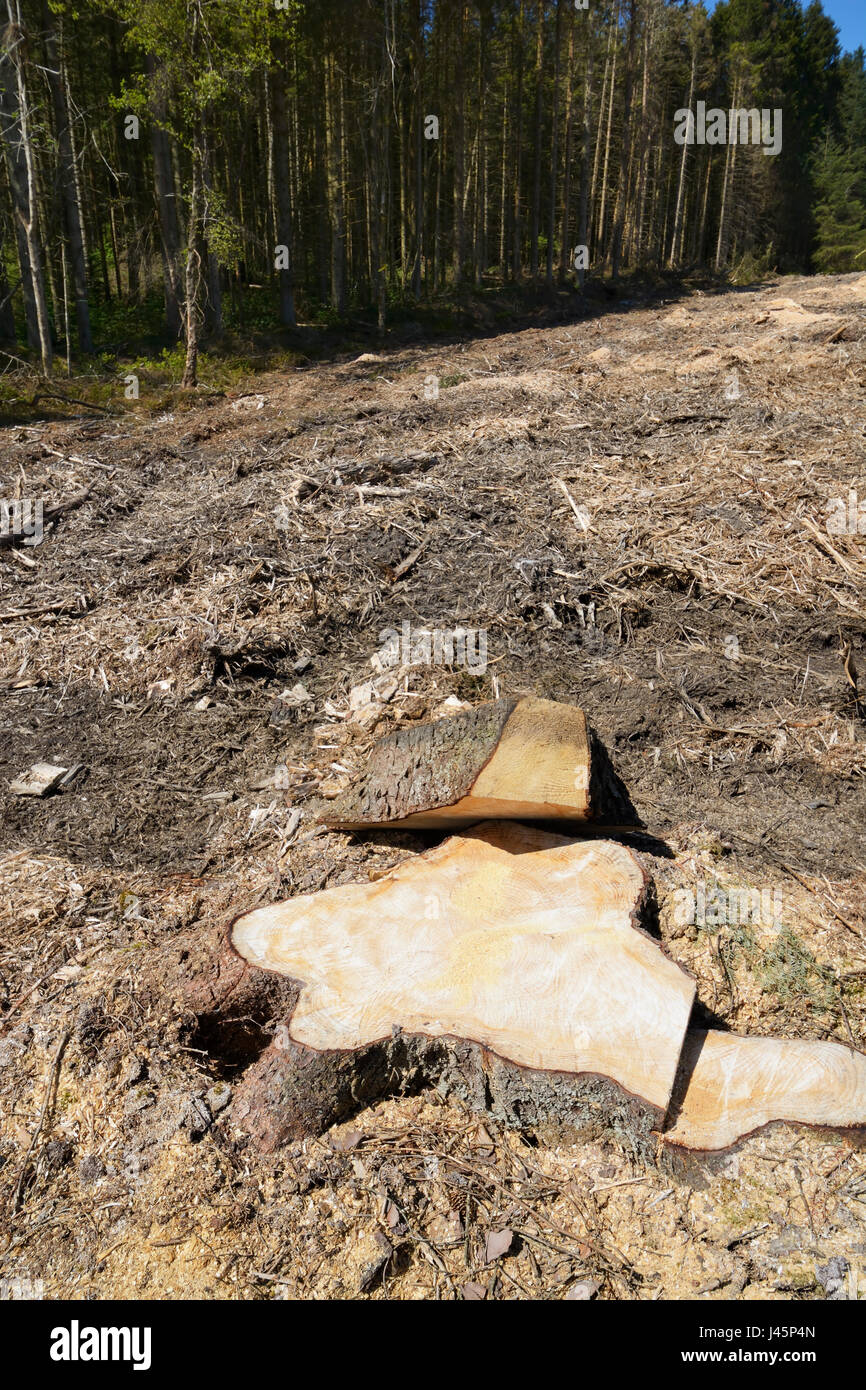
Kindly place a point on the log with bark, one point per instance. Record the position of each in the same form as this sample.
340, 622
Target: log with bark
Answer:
507, 965
525, 759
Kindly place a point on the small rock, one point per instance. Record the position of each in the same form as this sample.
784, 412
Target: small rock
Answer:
90, 1169
56, 1154
833, 1277
131, 1071
218, 1096
446, 1230
296, 697
452, 705
582, 1292
349, 1139
160, 687
498, 1244
196, 1116
395, 1220
474, 1293
373, 1271
138, 1099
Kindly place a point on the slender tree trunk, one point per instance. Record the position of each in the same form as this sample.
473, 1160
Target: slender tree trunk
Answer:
166, 200
554, 145
195, 271
518, 150
437, 221
71, 212
677, 235
419, 151
16, 132
282, 191
583, 218
565, 225
7, 313
601, 225
503, 187
336, 204
634, 229
625, 148
14, 158
460, 149
214, 296
730, 157
536, 186
599, 139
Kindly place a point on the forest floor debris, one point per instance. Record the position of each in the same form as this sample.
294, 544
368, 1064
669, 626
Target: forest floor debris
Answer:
191, 634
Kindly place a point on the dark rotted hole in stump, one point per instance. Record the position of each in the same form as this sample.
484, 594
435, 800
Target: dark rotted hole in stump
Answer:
232, 1043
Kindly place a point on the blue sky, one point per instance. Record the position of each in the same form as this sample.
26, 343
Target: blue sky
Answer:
849, 16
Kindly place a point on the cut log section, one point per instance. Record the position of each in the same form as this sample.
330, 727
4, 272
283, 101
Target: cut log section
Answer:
507, 965
729, 1087
511, 759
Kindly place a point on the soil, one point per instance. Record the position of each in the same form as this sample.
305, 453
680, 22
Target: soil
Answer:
633, 506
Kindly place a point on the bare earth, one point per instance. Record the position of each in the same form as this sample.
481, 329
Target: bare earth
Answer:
636, 539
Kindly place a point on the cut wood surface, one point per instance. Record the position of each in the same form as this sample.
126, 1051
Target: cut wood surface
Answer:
510, 759
737, 1085
510, 938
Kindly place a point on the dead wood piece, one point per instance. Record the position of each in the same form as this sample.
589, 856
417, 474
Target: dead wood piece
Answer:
497, 966
38, 780
51, 514
731, 1086
510, 759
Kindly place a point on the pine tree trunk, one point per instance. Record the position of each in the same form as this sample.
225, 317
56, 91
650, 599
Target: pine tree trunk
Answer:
677, 235
282, 190
22, 172
565, 225
71, 212
503, 188
730, 155
17, 185
554, 145
518, 149
214, 296
625, 147
599, 139
419, 152
536, 186
583, 220
599, 234
195, 271
163, 178
460, 151
336, 205
7, 312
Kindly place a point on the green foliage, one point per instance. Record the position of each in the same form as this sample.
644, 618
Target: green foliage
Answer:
791, 972
786, 969
840, 177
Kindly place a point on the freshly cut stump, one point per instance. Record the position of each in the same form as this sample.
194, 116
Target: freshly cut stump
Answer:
506, 965
510, 759
733, 1086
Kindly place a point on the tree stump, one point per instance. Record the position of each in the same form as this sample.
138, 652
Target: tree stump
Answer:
507, 965
731, 1086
